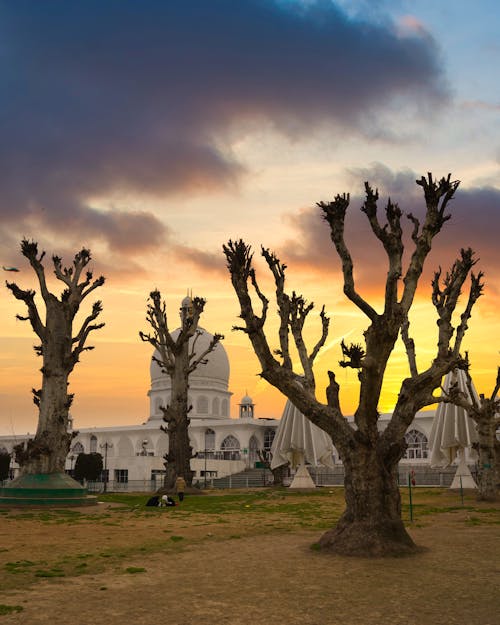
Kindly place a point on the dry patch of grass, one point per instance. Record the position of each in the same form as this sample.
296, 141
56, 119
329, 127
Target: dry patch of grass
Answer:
244, 557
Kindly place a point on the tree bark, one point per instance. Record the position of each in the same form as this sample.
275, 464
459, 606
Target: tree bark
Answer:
371, 524
486, 430
176, 416
60, 351
178, 360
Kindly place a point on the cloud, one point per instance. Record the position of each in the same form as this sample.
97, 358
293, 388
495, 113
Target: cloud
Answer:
120, 96
475, 222
205, 262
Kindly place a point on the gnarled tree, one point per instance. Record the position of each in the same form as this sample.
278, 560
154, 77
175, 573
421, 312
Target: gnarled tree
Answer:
60, 351
371, 523
178, 358
486, 414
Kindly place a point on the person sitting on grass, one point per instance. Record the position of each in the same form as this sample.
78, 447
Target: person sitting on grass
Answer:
167, 501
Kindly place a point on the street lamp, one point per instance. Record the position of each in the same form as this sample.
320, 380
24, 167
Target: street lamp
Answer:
205, 473
106, 446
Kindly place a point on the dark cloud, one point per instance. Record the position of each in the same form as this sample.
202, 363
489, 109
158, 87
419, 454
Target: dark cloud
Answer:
475, 223
206, 262
121, 95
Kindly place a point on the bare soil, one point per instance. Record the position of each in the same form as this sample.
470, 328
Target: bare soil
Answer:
111, 565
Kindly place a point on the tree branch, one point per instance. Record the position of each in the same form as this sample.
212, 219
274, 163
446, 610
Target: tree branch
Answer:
334, 213
28, 297
409, 344
437, 196
283, 301
202, 358
475, 292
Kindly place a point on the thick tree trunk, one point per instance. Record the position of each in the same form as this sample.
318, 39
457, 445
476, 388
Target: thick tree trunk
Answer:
47, 452
371, 524
179, 447
486, 429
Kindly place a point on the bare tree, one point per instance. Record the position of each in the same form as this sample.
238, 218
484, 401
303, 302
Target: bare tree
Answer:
486, 414
371, 523
60, 351
178, 358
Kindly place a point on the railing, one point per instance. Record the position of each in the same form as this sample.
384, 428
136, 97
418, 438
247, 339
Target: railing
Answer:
258, 478
423, 476
132, 486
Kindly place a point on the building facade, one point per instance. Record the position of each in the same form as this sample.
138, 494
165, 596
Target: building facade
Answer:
222, 444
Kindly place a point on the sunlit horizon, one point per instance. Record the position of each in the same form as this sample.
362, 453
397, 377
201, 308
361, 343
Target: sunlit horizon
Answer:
153, 154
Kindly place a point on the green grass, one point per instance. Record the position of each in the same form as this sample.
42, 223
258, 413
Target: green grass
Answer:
135, 569
8, 609
265, 511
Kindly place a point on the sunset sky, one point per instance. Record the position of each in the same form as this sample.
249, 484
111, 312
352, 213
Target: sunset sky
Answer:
154, 131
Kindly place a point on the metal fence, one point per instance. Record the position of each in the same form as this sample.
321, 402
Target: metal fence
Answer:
423, 476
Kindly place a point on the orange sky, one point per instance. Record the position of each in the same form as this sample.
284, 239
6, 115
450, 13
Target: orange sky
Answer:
153, 153
110, 383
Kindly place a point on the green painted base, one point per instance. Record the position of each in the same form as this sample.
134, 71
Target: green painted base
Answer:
45, 489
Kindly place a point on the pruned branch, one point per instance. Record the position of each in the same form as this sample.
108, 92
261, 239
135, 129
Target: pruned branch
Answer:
28, 297
283, 301
325, 324
29, 249
87, 327
216, 339
445, 294
353, 355
475, 292
437, 196
239, 262
409, 344
334, 213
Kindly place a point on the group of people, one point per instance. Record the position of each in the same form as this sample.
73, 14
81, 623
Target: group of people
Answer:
166, 500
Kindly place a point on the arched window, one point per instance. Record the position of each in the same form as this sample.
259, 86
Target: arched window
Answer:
230, 448
202, 405
215, 407
253, 450
224, 408
209, 440
417, 445
78, 448
269, 435
93, 444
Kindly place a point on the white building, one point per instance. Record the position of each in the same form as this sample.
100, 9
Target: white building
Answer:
222, 445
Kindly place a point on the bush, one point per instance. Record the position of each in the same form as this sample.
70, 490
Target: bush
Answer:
88, 467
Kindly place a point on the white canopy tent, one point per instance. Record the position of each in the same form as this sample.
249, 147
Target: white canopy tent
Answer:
298, 441
453, 431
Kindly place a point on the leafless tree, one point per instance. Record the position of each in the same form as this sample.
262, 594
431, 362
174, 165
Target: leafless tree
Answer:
60, 351
371, 523
486, 414
178, 358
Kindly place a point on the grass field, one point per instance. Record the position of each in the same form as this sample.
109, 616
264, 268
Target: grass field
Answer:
244, 557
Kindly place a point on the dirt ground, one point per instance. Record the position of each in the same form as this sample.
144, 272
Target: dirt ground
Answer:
113, 565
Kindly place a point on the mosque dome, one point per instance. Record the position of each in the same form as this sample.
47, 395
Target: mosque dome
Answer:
215, 373
246, 400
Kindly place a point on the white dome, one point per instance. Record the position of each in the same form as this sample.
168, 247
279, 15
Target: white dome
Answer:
246, 400
216, 371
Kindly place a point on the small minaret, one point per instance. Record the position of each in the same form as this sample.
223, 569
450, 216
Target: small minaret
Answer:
186, 309
246, 408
